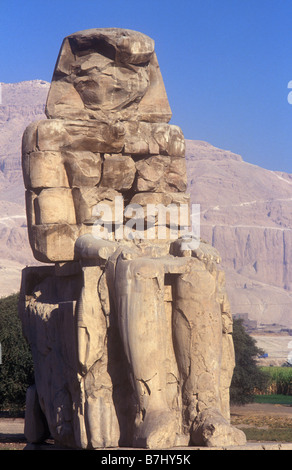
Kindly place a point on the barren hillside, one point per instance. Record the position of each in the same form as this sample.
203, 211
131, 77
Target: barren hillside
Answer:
246, 213
21, 104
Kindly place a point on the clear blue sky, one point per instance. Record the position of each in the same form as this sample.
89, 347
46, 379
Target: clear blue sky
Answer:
226, 64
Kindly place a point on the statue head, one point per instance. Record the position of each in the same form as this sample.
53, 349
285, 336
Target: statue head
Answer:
108, 74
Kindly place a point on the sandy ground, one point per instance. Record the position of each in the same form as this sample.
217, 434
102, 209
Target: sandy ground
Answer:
262, 409
12, 429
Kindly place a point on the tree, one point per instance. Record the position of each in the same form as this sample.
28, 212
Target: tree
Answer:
247, 376
16, 370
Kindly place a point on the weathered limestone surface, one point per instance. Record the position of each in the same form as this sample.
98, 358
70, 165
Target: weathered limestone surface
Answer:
130, 326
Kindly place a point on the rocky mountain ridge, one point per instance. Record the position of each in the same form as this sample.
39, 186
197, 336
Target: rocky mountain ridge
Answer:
245, 212
20, 104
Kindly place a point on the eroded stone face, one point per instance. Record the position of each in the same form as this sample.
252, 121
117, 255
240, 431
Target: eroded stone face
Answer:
131, 333
109, 74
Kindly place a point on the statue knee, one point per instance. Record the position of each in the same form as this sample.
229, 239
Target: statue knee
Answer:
145, 269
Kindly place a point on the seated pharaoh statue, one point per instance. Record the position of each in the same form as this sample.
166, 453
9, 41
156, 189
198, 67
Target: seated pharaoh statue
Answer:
128, 319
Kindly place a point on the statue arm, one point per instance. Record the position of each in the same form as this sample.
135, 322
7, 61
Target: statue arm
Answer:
89, 247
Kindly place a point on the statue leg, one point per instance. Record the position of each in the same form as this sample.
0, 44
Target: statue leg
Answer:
228, 353
139, 288
197, 327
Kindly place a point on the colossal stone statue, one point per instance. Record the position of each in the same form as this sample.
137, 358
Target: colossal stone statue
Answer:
128, 321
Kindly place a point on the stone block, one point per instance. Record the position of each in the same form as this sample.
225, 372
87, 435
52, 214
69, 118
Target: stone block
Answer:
143, 138
83, 168
44, 170
86, 200
54, 206
118, 172
29, 138
54, 242
93, 136
161, 173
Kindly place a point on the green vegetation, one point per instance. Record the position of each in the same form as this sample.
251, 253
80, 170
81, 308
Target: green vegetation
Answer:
279, 380
266, 435
247, 375
273, 399
273, 385
16, 370
264, 427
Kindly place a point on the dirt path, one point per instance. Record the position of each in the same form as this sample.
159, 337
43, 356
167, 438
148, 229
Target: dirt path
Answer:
12, 434
12, 429
262, 409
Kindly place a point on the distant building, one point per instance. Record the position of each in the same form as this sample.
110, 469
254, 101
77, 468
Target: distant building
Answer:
249, 324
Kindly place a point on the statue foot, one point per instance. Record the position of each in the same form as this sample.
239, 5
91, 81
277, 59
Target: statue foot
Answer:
158, 430
211, 429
